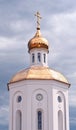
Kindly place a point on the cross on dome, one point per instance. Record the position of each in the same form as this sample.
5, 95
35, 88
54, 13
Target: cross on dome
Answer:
38, 19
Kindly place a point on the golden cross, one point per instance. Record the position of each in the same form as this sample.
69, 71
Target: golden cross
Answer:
38, 19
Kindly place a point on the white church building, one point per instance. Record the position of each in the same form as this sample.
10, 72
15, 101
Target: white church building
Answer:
38, 94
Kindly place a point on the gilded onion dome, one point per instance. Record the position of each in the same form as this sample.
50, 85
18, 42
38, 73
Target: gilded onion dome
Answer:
38, 41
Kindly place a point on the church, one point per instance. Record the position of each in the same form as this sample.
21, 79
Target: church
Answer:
38, 94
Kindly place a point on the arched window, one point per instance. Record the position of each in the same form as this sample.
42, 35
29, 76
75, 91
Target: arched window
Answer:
18, 120
39, 119
33, 58
60, 120
44, 58
39, 57
61, 113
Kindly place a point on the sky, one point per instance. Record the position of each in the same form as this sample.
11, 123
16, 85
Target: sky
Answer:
18, 26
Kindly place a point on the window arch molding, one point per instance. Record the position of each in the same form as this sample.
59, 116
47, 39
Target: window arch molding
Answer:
40, 90
60, 96
14, 106
16, 95
41, 108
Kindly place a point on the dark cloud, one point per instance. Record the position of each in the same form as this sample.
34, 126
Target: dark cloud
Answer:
4, 127
72, 118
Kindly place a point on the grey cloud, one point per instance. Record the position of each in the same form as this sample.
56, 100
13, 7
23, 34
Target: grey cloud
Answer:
73, 115
4, 127
13, 11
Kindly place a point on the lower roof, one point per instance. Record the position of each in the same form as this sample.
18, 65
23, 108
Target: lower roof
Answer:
36, 73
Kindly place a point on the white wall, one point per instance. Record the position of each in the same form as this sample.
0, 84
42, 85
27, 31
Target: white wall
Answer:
28, 90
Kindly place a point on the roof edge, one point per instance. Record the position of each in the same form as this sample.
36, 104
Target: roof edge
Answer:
37, 79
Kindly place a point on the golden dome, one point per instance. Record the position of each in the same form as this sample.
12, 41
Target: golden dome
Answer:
38, 73
38, 41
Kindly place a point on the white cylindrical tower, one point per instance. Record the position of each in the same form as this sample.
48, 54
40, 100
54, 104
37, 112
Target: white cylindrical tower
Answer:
38, 95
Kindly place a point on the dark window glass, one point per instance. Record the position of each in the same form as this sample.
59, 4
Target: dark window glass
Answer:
19, 98
33, 58
39, 57
44, 58
59, 99
39, 120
